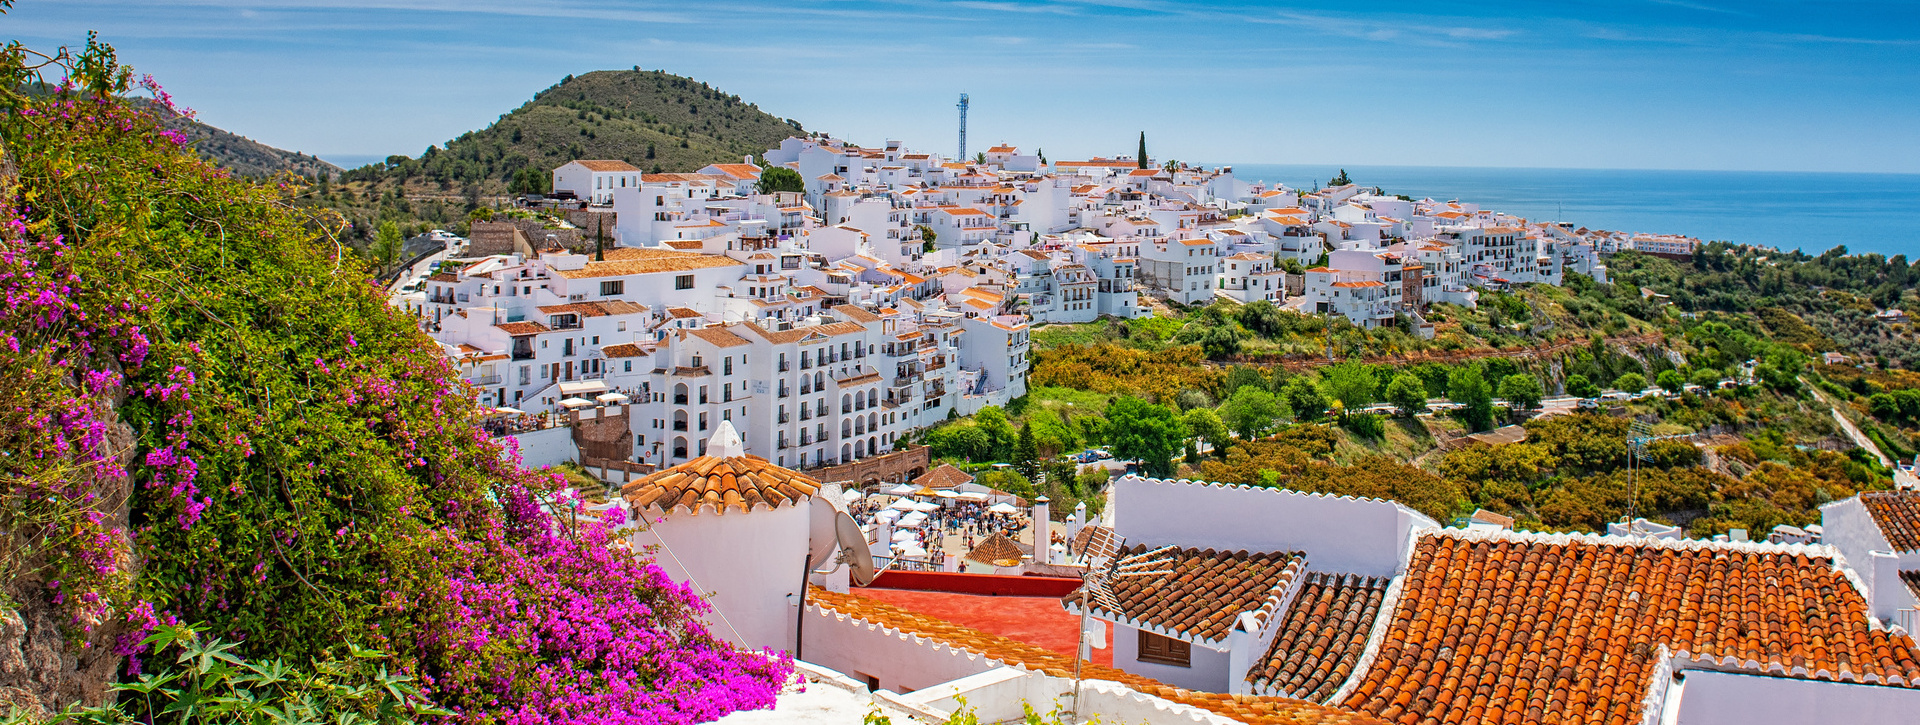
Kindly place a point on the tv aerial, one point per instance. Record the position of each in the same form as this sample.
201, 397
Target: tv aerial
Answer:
1105, 567
1639, 434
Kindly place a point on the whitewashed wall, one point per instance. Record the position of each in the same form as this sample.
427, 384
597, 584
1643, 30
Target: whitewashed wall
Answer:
903, 662
1722, 698
1209, 671
749, 566
549, 447
1339, 534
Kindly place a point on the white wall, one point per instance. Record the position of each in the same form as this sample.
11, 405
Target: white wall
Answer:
1208, 673
1339, 534
1722, 698
902, 661
749, 566
548, 447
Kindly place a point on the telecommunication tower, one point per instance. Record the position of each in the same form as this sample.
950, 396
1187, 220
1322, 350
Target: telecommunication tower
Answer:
963, 128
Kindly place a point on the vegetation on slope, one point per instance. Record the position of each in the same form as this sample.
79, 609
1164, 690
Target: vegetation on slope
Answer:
244, 156
210, 415
657, 121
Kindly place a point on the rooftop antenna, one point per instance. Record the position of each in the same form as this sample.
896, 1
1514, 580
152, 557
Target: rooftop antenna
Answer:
1639, 434
1104, 567
963, 128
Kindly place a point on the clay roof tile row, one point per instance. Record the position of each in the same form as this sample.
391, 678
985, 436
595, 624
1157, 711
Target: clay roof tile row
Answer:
1321, 640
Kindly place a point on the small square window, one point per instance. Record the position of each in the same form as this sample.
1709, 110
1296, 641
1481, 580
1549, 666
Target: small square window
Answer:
684, 281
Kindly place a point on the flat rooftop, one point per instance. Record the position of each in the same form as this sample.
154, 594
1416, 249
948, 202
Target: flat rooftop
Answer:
1038, 621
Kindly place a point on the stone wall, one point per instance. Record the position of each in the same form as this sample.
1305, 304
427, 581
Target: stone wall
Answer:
897, 467
603, 433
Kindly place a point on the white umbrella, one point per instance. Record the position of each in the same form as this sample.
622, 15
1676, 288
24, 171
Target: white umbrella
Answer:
1002, 508
851, 495
910, 523
904, 505
903, 536
908, 548
923, 507
946, 494
905, 489
976, 497
887, 514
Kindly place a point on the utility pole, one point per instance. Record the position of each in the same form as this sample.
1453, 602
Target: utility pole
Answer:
963, 128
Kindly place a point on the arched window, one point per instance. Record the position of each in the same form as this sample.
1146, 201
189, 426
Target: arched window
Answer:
846, 403
679, 447
680, 394
679, 420
846, 429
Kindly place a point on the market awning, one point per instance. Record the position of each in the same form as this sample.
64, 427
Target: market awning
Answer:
582, 389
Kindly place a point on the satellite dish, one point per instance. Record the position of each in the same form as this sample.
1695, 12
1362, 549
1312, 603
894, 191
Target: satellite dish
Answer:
821, 536
853, 549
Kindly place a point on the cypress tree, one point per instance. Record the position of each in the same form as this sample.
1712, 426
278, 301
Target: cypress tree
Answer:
1143, 149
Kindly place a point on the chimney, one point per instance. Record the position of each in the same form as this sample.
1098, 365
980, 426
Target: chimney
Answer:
1042, 532
1886, 593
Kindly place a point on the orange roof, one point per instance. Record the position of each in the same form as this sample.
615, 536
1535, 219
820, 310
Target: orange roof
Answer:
1368, 283
522, 328
1322, 638
1245, 708
1897, 513
606, 165
739, 171
649, 261
1204, 596
737, 483
1533, 628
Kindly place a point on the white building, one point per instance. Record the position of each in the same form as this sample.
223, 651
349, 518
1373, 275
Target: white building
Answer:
595, 180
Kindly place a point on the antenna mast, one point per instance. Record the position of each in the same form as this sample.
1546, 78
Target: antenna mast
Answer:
963, 128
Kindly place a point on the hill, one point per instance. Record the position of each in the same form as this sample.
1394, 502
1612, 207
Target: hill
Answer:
655, 120
243, 155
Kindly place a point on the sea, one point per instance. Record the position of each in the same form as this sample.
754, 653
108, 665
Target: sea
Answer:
1812, 212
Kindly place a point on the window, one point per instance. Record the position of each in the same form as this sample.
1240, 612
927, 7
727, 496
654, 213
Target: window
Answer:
684, 281
1164, 650
612, 287
628, 366
726, 365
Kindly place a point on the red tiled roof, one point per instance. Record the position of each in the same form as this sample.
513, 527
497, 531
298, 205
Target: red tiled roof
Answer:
1912, 578
1897, 513
997, 550
944, 476
1320, 642
736, 483
522, 328
1204, 596
1245, 708
1524, 628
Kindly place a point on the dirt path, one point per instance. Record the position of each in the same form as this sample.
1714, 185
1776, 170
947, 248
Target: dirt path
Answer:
1853, 432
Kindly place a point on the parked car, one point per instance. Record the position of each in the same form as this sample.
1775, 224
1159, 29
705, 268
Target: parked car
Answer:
1587, 404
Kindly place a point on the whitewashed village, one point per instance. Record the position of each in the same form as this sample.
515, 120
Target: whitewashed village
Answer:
751, 370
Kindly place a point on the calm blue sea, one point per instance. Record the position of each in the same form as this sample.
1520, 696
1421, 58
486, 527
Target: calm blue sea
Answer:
1813, 212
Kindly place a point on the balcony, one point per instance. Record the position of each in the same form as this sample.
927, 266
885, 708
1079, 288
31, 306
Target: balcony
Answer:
484, 380
680, 399
783, 418
785, 366
441, 299
680, 425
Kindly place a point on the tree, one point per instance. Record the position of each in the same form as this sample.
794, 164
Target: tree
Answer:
780, 178
1145, 432
1250, 411
1407, 393
1706, 378
1143, 150
1026, 455
1468, 389
1522, 391
928, 236
1672, 380
1340, 180
1580, 387
1304, 398
1630, 383
1206, 425
1000, 433
1351, 383
386, 244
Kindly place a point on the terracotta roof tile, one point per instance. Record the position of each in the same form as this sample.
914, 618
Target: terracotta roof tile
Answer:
943, 476
997, 550
1912, 578
1205, 594
1506, 627
649, 261
725, 484
522, 328
1897, 513
1250, 709
1322, 638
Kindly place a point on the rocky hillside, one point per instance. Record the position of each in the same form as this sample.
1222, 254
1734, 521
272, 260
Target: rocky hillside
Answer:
652, 119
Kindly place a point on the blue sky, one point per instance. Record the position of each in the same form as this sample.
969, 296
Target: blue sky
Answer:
1675, 84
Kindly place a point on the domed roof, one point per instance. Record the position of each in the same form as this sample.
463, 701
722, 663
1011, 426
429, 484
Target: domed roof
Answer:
725, 479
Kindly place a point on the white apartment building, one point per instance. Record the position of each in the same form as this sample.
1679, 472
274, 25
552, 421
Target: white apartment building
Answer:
1180, 270
1366, 287
1247, 276
595, 180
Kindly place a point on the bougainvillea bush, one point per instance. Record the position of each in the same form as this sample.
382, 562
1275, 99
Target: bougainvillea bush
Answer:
209, 414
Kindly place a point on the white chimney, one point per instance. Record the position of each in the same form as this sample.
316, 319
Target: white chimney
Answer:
1042, 532
1887, 594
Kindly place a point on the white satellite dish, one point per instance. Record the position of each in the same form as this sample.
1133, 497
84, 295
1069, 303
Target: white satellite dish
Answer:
821, 536
854, 551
